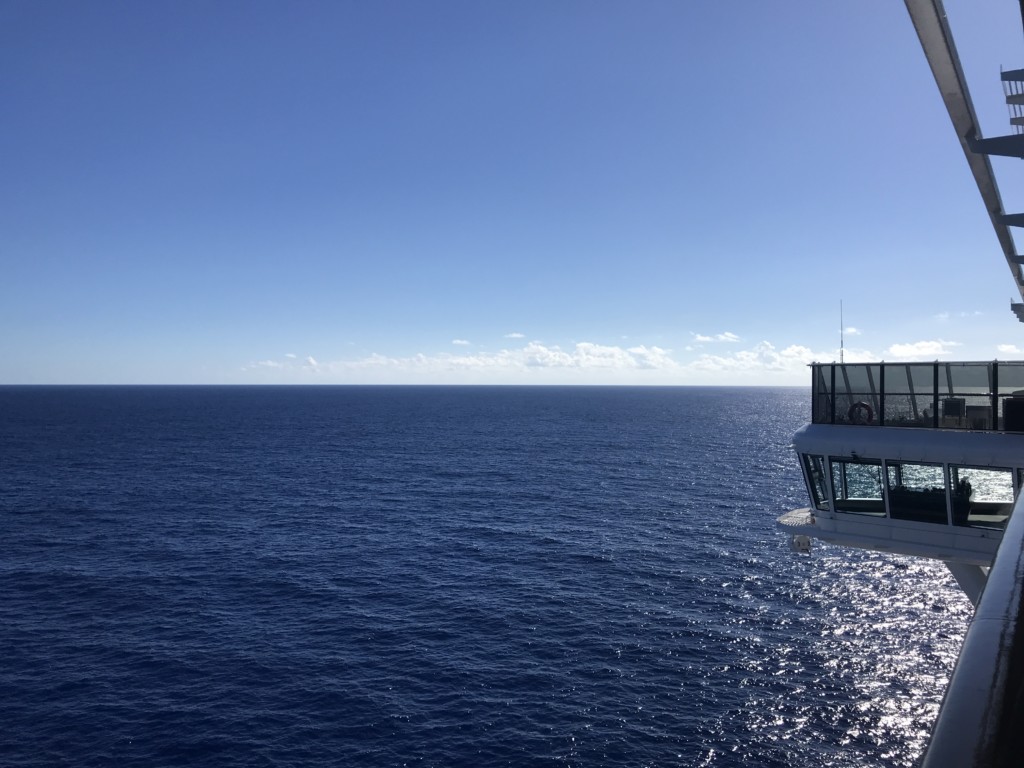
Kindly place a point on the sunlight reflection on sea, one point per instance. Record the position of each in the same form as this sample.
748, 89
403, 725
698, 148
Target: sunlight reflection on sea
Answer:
439, 576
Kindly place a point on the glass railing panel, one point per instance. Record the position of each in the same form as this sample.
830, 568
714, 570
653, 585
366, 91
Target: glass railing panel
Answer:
909, 394
966, 412
859, 408
906, 410
1011, 378
1011, 414
965, 378
910, 378
857, 393
821, 403
946, 395
1011, 396
857, 378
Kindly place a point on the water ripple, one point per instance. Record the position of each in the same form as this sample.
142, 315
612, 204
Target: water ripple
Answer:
445, 576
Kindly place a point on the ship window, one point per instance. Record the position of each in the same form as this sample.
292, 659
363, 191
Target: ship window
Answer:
982, 498
917, 492
858, 486
815, 468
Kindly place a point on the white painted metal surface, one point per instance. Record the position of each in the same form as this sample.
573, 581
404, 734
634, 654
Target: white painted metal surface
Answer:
980, 720
929, 18
976, 449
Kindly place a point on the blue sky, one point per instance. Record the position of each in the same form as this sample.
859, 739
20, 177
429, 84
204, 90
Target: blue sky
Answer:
491, 192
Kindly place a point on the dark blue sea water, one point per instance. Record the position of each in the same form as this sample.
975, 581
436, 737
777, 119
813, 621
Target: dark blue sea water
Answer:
442, 577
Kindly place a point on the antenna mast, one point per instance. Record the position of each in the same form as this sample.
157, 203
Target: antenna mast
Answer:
841, 344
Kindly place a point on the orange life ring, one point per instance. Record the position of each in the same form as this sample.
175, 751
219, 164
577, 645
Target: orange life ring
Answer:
860, 413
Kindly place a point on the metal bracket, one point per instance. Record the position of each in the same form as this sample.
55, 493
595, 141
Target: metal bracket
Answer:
1005, 146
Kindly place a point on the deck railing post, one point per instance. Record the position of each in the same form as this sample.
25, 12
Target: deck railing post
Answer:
995, 395
881, 395
833, 392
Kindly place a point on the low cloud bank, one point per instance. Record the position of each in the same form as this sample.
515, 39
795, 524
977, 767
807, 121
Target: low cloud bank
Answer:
585, 362
540, 363
921, 350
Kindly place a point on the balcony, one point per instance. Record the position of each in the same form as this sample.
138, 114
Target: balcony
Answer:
967, 396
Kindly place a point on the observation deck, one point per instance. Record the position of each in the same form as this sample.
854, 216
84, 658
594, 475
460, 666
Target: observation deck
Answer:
921, 459
980, 396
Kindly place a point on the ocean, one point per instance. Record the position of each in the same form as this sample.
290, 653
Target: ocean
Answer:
443, 576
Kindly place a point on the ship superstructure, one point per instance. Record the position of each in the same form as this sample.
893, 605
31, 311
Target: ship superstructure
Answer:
927, 460
918, 459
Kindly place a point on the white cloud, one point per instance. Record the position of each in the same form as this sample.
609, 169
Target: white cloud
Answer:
760, 358
533, 361
1010, 349
583, 362
290, 355
589, 355
854, 356
851, 331
460, 342
921, 350
539, 356
653, 358
515, 335
945, 316
764, 363
727, 336
373, 361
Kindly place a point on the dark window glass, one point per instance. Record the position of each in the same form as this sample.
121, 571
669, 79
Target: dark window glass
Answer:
917, 492
981, 498
858, 487
815, 467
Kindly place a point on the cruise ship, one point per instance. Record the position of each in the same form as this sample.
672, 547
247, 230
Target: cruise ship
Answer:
927, 460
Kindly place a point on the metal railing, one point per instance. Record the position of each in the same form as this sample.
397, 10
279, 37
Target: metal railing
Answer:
979, 723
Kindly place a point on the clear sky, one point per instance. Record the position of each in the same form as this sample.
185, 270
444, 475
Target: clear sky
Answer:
485, 191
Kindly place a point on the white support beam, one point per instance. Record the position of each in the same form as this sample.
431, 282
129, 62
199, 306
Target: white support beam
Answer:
929, 18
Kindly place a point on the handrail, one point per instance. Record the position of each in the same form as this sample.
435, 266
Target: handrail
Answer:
979, 723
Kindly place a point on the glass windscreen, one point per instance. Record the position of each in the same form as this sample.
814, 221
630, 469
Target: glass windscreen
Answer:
981, 498
916, 492
815, 468
858, 486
